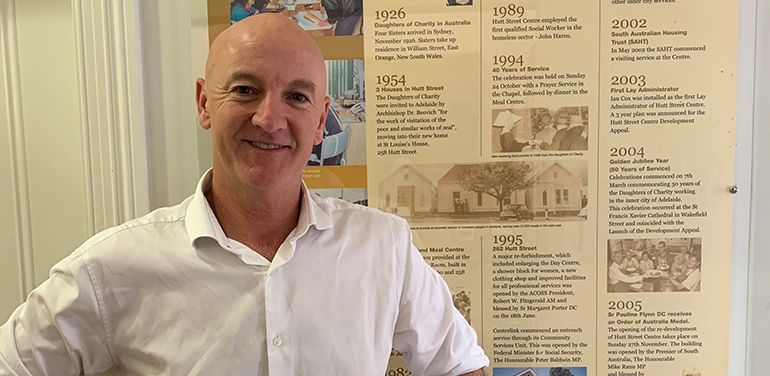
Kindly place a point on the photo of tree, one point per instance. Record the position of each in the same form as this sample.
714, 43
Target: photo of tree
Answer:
483, 192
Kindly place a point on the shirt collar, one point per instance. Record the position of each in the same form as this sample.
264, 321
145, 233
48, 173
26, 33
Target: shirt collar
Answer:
202, 223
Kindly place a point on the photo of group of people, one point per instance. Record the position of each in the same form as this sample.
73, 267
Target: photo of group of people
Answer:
521, 130
483, 192
317, 17
653, 265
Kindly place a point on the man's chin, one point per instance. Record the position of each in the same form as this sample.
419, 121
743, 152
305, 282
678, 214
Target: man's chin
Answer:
269, 177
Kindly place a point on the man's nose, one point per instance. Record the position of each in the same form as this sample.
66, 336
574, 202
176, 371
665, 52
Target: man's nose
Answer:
270, 114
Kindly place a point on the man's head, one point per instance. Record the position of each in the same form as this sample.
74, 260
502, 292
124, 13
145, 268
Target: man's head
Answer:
617, 256
562, 121
662, 247
693, 261
264, 101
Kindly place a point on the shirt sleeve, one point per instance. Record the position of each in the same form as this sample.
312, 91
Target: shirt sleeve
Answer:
617, 275
432, 334
60, 329
692, 280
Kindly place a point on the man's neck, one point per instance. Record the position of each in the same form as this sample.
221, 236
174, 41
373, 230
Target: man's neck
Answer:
261, 220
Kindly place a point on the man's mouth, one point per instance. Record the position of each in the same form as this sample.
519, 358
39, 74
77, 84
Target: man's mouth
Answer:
265, 146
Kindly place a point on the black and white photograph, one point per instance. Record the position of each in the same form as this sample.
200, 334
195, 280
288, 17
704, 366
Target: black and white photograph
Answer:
344, 140
458, 2
654, 265
484, 192
522, 130
461, 297
320, 18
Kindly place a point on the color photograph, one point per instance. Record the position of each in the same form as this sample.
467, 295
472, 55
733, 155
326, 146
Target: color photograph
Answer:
344, 140
320, 18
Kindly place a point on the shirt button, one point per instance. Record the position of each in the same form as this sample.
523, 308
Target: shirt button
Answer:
272, 274
277, 341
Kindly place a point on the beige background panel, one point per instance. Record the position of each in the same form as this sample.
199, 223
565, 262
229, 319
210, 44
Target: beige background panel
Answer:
710, 158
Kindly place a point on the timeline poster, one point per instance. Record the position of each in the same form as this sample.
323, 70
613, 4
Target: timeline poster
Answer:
565, 166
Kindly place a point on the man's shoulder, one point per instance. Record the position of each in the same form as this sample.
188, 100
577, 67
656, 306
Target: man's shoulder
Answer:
161, 221
344, 211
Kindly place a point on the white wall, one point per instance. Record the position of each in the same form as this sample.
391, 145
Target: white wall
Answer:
172, 123
41, 161
97, 123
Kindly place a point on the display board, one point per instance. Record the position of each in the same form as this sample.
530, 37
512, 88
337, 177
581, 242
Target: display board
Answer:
565, 166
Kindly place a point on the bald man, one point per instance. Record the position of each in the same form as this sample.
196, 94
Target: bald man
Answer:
252, 274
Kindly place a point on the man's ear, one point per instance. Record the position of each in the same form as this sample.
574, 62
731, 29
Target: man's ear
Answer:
202, 100
319, 132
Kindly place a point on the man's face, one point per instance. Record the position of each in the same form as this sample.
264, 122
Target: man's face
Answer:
617, 257
266, 109
692, 262
662, 247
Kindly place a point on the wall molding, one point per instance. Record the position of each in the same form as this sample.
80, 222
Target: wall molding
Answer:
11, 82
108, 51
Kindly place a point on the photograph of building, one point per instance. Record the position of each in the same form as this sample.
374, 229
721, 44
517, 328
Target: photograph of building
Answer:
486, 191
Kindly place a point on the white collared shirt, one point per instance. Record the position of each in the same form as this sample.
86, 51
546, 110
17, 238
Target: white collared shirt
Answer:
170, 294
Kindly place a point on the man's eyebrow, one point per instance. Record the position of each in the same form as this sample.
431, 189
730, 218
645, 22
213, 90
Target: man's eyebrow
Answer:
303, 85
242, 76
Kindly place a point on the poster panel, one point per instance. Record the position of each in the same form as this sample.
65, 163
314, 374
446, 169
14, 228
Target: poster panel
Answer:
563, 165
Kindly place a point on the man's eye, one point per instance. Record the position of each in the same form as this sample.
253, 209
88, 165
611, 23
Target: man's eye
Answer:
243, 90
298, 97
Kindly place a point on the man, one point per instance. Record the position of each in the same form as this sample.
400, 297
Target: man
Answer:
664, 257
546, 130
616, 279
574, 138
691, 280
252, 274
561, 131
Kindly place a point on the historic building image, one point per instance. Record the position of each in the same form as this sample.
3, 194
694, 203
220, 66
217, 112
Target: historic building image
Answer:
501, 190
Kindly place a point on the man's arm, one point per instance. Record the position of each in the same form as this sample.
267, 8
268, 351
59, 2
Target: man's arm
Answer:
59, 329
616, 274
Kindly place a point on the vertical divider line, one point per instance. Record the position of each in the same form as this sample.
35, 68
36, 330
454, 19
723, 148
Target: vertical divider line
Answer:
15, 117
481, 80
481, 262
599, 113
